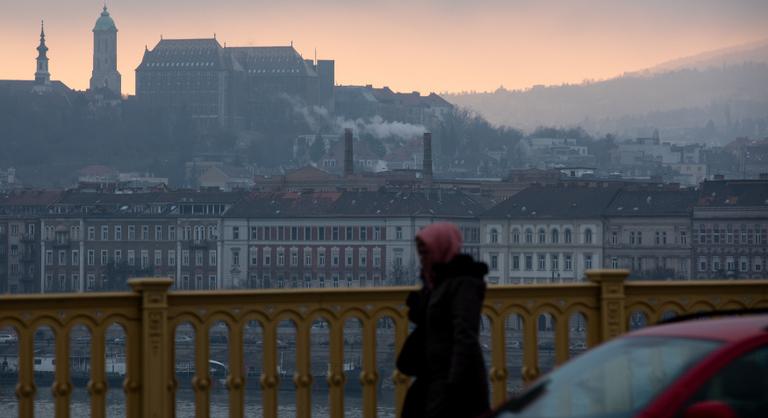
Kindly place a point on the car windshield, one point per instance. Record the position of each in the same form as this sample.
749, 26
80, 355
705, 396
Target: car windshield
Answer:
614, 380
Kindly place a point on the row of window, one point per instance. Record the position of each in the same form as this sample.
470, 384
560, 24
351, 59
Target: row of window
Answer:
730, 263
115, 233
543, 262
744, 236
541, 237
320, 280
659, 238
103, 258
307, 257
314, 233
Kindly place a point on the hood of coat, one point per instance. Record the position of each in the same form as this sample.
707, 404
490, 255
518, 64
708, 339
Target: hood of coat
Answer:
462, 265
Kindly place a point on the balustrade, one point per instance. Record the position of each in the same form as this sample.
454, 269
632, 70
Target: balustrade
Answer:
150, 315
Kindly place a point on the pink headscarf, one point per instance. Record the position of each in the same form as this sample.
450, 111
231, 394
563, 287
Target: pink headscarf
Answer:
443, 242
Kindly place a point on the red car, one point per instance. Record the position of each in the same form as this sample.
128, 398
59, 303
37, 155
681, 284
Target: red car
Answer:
712, 368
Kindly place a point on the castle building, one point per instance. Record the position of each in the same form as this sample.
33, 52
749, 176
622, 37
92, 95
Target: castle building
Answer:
105, 74
231, 87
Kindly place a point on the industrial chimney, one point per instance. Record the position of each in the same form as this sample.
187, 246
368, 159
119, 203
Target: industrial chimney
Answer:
426, 168
349, 156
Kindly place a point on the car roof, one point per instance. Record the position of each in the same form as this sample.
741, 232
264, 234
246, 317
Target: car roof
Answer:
724, 329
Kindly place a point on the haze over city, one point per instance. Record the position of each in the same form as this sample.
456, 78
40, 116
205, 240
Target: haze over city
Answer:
441, 46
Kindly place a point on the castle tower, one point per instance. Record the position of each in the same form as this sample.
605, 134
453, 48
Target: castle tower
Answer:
105, 54
42, 76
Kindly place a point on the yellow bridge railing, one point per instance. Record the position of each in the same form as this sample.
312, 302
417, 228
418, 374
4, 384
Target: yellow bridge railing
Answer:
150, 315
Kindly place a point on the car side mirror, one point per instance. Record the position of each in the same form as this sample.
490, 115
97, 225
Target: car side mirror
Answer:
710, 409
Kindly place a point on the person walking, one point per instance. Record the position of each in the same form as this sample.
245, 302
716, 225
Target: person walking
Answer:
443, 352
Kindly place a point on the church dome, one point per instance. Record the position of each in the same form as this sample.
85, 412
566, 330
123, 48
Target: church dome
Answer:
105, 22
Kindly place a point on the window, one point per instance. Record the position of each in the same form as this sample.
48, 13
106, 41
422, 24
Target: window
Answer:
555, 236
494, 236
515, 262
376, 233
568, 236
307, 257
515, 236
280, 257
91, 282
614, 237
658, 237
212, 257
254, 256
321, 233
172, 233
398, 232
172, 258
294, 257
104, 232
702, 263
48, 258
683, 237
528, 262
730, 264
614, 263
118, 257
118, 233
494, 260
639, 238
334, 257
91, 257
235, 257
377, 257
587, 261
104, 257
91, 233
198, 281
62, 258
131, 232
158, 233
267, 256
349, 234
528, 236
555, 259
212, 282
145, 232
254, 233
158, 258
235, 232
542, 236
632, 237
743, 264
185, 257
363, 233
348, 256
198, 258
715, 263
362, 259
131, 257
335, 233
144, 259
542, 262
321, 257
294, 233
75, 257
588, 236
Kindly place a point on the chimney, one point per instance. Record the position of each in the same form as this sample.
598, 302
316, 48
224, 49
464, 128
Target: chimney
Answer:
349, 156
426, 169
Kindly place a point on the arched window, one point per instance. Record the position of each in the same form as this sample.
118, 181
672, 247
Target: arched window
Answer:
568, 236
542, 236
494, 236
588, 236
528, 236
555, 236
516, 236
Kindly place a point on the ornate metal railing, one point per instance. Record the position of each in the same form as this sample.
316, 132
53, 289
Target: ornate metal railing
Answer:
150, 315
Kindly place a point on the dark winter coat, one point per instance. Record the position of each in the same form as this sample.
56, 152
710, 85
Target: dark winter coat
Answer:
443, 352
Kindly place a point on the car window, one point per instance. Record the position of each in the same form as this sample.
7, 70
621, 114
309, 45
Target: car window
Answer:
742, 384
614, 380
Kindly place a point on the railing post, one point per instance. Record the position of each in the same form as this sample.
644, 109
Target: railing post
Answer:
156, 378
613, 320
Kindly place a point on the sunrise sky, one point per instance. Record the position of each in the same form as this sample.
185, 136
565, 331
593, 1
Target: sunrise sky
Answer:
426, 45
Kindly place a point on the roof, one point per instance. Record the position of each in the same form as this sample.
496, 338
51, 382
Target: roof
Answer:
105, 22
271, 61
635, 203
30, 197
309, 173
733, 193
555, 202
189, 54
725, 329
283, 205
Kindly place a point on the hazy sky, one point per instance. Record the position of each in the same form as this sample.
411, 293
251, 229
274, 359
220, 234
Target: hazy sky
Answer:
427, 45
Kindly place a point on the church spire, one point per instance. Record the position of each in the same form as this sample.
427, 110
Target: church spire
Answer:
42, 76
